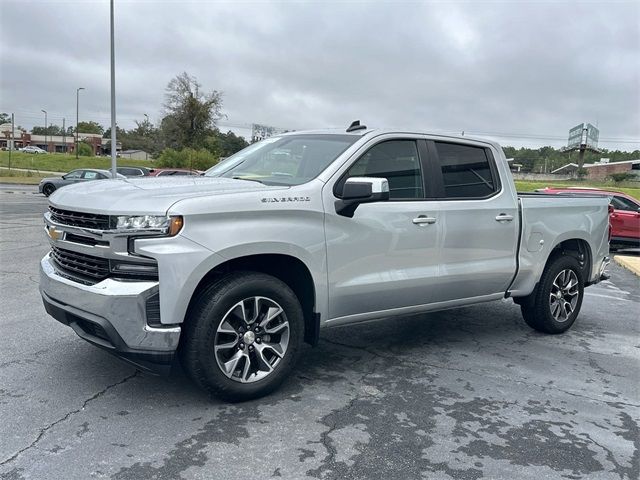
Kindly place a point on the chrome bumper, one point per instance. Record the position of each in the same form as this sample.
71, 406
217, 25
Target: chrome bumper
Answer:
110, 314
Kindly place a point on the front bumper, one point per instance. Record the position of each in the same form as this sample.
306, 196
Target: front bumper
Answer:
112, 315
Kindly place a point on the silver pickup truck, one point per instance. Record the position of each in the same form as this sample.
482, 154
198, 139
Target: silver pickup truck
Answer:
232, 271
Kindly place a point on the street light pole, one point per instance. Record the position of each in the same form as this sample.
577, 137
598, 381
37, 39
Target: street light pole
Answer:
114, 172
77, 115
46, 147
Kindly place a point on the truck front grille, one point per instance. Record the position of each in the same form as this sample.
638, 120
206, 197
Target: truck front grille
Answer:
86, 268
79, 219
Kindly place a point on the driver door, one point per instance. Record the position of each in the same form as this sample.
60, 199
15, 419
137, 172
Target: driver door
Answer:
385, 257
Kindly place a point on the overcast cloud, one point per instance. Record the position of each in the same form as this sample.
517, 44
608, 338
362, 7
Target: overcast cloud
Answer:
511, 69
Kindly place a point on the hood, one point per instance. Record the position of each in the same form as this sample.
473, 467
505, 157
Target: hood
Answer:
150, 195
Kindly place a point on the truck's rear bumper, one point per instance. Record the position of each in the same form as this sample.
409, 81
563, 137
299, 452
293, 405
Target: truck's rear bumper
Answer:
111, 315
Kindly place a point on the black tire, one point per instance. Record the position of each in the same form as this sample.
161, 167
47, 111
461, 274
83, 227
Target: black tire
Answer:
537, 308
205, 317
48, 189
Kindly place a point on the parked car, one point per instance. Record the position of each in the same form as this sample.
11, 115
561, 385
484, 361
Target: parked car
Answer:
32, 149
51, 184
176, 172
625, 218
134, 171
306, 230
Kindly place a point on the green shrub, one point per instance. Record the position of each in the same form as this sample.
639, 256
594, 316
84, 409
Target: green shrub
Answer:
187, 158
85, 150
621, 177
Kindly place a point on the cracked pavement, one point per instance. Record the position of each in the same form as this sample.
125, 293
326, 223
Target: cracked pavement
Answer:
463, 394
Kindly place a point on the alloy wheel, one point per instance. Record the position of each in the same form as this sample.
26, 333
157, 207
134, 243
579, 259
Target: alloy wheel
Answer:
252, 339
564, 294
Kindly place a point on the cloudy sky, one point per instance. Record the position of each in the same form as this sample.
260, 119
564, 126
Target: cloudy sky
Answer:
521, 72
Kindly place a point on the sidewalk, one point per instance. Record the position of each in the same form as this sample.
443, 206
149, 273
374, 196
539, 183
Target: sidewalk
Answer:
629, 262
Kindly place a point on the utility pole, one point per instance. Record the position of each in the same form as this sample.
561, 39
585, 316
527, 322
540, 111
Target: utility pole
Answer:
46, 147
114, 172
12, 140
64, 137
77, 115
146, 154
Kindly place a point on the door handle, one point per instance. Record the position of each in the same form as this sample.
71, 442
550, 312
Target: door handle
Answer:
424, 220
503, 217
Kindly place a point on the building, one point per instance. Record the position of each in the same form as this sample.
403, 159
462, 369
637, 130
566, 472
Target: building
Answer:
134, 154
568, 169
602, 169
53, 143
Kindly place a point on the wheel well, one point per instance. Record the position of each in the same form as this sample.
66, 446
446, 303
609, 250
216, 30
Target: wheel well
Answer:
577, 248
288, 269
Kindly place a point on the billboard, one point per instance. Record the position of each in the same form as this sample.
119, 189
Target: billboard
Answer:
575, 136
592, 136
260, 132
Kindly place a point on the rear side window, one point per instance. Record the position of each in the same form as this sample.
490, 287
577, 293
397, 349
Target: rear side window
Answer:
466, 171
395, 160
89, 175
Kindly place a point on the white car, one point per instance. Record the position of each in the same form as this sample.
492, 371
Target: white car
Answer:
32, 149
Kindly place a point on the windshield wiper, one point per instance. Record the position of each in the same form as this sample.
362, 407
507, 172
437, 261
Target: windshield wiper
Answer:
249, 179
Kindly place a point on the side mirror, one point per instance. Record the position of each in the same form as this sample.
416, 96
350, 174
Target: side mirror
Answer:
359, 190
64, 177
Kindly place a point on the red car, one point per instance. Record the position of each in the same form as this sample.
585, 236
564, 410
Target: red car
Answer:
165, 172
625, 218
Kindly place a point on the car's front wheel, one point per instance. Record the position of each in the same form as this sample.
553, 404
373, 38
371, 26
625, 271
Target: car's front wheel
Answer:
554, 306
242, 336
48, 189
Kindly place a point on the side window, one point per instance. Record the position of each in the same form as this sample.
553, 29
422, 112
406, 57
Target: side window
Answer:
395, 160
466, 172
89, 175
621, 203
74, 174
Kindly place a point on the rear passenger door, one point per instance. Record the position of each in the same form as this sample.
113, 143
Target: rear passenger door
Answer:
478, 219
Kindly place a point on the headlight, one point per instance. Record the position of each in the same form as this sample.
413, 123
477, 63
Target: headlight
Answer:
163, 224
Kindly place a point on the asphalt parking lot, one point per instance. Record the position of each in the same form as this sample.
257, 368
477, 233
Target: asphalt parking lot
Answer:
464, 394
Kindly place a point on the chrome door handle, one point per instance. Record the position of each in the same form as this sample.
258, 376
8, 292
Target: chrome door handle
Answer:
503, 217
422, 220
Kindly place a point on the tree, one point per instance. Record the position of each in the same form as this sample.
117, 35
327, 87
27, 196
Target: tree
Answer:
50, 130
190, 114
5, 118
90, 127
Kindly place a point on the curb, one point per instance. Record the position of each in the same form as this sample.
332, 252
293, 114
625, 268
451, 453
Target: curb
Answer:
628, 262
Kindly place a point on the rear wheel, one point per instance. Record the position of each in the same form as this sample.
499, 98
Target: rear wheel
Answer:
243, 336
554, 306
48, 189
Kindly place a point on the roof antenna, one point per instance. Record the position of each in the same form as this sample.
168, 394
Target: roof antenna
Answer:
355, 125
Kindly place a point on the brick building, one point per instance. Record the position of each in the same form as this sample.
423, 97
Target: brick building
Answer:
53, 143
602, 169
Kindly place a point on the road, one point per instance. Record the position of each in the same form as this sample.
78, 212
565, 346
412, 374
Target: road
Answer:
463, 394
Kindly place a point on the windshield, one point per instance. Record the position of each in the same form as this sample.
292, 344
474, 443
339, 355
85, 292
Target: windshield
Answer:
288, 160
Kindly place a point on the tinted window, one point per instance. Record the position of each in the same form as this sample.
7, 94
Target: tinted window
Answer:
398, 162
74, 174
621, 203
466, 172
130, 171
89, 175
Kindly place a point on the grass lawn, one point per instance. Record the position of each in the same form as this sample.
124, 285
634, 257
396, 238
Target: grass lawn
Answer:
25, 178
530, 186
59, 162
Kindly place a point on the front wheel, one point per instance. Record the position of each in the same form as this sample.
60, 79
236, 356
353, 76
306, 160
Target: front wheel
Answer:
554, 306
48, 189
243, 336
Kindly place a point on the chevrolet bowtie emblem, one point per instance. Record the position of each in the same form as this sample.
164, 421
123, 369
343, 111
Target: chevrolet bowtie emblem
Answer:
54, 234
